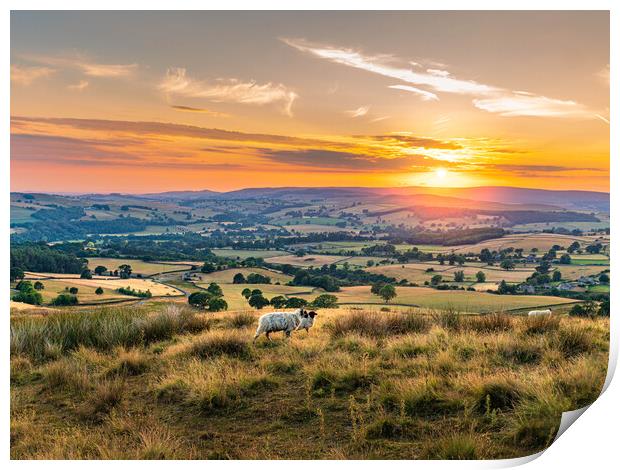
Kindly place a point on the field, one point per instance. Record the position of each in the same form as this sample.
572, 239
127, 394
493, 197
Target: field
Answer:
86, 288
243, 254
138, 266
463, 301
226, 276
542, 241
169, 383
308, 260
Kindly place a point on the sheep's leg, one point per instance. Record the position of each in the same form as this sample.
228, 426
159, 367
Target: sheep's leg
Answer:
267, 335
288, 333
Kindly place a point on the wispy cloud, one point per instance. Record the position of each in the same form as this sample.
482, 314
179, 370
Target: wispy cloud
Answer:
527, 104
359, 112
177, 82
489, 98
80, 86
191, 109
86, 65
25, 75
379, 65
424, 95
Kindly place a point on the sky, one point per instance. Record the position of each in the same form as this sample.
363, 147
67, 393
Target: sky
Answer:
140, 102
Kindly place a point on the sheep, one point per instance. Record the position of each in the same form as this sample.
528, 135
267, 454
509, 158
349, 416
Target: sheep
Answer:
534, 313
284, 321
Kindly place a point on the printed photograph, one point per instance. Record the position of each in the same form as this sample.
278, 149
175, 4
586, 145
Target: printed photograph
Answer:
315, 235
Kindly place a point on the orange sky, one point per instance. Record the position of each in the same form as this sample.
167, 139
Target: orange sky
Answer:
175, 101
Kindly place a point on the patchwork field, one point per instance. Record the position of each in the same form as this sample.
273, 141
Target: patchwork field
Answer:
542, 241
226, 276
243, 254
416, 272
462, 301
361, 385
308, 260
138, 266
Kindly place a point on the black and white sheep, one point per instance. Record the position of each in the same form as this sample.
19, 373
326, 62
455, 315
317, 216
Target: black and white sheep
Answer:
284, 321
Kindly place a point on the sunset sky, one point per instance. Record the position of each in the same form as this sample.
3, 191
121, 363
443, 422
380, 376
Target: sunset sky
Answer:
146, 102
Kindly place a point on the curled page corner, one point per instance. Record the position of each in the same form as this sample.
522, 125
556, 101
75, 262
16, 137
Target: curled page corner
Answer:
568, 418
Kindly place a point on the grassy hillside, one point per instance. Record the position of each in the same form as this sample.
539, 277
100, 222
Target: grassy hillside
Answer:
165, 382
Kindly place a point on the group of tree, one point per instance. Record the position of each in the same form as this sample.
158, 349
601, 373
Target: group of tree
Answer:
591, 309
252, 278
27, 293
134, 292
384, 290
211, 299
39, 257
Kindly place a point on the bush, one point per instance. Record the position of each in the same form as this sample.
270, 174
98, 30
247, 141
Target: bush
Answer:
540, 324
64, 300
31, 297
573, 341
325, 301
498, 393
217, 344
242, 320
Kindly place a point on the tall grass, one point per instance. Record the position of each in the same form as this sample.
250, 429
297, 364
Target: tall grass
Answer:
378, 325
102, 329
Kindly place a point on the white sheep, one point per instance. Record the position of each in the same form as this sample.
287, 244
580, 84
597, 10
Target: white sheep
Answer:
534, 313
284, 321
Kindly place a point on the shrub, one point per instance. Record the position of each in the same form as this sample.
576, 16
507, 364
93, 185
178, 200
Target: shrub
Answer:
107, 395
497, 393
448, 319
325, 301
64, 300
31, 297
573, 341
130, 362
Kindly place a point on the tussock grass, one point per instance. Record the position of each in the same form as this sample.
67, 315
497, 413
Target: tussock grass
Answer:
242, 320
362, 385
378, 325
103, 329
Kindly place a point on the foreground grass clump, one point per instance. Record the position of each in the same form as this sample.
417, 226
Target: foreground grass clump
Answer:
161, 382
47, 337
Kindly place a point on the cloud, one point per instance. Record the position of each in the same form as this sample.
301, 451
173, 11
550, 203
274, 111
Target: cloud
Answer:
81, 85
25, 75
424, 95
359, 112
526, 104
331, 161
86, 66
414, 141
379, 65
603, 74
487, 97
176, 82
190, 109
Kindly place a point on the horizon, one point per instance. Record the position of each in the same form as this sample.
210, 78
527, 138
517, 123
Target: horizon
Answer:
228, 100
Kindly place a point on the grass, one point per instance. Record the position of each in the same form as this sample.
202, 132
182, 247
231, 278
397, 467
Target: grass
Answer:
161, 382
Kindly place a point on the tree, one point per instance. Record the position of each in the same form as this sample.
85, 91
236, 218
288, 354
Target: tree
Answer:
459, 276
86, 274
255, 278
246, 293
573, 247
100, 270
556, 276
16, 274
603, 309
278, 301
387, 292
256, 292
325, 301
436, 279
73, 290
565, 259
376, 287
217, 304
27, 294
39, 285
507, 264
543, 267
604, 278
24, 286
258, 301
480, 276
586, 309
296, 302
207, 268
215, 290
199, 299
65, 299
124, 271
239, 278
99, 291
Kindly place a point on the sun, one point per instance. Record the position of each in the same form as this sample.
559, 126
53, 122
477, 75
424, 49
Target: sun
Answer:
441, 173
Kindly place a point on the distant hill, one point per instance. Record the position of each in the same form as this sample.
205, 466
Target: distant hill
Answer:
579, 200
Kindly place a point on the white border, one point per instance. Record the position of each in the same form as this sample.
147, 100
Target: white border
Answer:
592, 442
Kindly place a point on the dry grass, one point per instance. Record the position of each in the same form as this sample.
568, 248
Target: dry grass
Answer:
165, 383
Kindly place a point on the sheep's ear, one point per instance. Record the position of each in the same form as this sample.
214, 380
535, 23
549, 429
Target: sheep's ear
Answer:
313, 314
